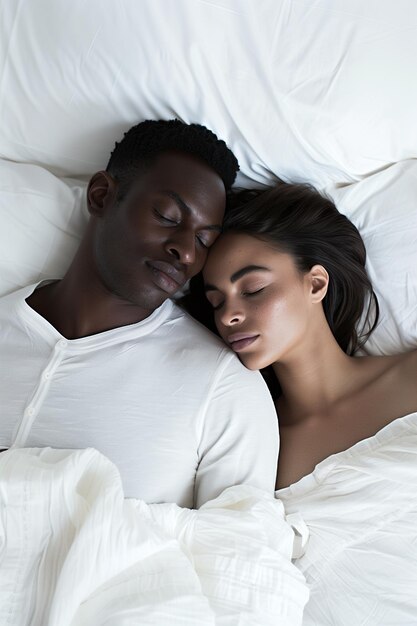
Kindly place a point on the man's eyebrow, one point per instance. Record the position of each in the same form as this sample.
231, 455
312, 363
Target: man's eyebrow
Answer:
183, 206
180, 202
242, 272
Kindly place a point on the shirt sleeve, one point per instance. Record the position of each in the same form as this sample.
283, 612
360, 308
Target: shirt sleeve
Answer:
239, 433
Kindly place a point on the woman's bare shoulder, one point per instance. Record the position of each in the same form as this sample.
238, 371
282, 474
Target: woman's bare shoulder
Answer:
373, 368
390, 383
408, 369
404, 379
383, 363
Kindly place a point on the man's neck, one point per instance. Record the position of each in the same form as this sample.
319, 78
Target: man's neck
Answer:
76, 309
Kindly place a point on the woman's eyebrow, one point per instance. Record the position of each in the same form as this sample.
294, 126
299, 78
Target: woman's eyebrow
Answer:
246, 270
242, 272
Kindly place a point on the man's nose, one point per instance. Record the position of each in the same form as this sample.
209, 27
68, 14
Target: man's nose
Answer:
182, 246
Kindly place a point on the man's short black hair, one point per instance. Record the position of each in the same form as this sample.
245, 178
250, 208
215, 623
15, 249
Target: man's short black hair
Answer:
144, 141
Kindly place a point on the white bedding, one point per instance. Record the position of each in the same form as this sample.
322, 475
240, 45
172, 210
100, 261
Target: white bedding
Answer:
321, 91
360, 506
73, 552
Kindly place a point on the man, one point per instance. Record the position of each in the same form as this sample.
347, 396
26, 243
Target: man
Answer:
104, 359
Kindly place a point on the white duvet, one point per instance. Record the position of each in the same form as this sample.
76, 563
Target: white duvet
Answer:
74, 552
360, 506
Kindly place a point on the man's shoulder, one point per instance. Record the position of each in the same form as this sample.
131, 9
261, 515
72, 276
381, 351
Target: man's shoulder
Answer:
7, 300
205, 348
195, 333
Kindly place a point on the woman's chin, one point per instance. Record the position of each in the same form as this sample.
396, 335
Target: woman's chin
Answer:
251, 361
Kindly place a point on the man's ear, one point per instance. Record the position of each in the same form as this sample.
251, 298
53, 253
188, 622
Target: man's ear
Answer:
319, 282
101, 192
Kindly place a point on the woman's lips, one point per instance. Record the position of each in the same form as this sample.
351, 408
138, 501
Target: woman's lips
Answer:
240, 341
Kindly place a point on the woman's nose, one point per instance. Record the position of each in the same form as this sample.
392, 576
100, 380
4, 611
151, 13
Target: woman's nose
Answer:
231, 315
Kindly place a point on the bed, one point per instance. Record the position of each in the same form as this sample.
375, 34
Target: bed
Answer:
320, 91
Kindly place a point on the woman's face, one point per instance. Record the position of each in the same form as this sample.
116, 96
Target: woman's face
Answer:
262, 303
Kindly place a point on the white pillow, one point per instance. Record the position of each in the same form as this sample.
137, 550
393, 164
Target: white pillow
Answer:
42, 220
384, 209
319, 91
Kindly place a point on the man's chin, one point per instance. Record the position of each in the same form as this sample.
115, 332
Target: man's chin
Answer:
146, 299
148, 302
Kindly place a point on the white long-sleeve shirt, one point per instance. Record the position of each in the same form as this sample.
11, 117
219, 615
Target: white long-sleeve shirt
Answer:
164, 399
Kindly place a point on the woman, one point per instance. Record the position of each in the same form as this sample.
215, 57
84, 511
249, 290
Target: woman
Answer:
288, 287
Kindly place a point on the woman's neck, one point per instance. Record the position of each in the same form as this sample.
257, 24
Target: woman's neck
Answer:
315, 376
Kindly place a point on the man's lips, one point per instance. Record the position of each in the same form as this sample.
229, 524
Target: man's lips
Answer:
240, 341
166, 276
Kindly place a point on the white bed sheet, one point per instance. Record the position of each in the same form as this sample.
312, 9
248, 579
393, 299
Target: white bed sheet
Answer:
322, 91
73, 552
360, 506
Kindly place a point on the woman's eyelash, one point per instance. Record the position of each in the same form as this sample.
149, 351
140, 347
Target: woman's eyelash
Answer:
244, 293
253, 293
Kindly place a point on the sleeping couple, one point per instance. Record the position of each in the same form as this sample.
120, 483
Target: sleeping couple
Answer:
104, 358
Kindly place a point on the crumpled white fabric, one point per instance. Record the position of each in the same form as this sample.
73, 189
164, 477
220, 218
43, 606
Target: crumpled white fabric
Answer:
74, 552
360, 506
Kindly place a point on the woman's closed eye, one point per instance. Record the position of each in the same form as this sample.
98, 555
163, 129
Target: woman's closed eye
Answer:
217, 301
254, 292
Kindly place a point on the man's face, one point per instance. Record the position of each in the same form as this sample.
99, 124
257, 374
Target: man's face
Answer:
148, 245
